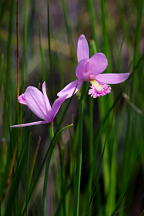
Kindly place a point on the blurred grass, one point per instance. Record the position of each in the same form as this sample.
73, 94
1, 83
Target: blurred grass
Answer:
101, 159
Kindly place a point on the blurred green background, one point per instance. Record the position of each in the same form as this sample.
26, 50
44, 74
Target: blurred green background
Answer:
96, 165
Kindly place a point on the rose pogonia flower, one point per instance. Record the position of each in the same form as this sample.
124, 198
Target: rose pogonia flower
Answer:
90, 70
39, 104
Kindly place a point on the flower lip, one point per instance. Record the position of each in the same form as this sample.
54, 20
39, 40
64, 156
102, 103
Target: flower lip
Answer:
99, 89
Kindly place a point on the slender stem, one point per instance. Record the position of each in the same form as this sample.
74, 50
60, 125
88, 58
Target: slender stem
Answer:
79, 164
137, 40
34, 161
109, 170
44, 198
25, 40
79, 152
68, 27
92, 18
78, 183
61, 183
42, 57
10, 173
51, 130
17, 47
91, 152
49, 47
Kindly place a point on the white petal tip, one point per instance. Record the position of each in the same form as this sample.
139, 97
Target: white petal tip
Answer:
82, 36
44, 84
13, 126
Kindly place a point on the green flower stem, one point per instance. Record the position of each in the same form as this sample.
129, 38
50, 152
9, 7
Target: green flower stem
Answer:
44, 198
79, 140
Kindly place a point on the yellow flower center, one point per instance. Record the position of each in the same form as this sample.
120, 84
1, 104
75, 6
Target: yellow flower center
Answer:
97, 86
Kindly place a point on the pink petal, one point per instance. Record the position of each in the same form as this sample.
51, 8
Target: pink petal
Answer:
46, 100
70, 89
56, 106
112, 78
82, 71
21, 99
82, 48
29, 124
35, 102
97, 63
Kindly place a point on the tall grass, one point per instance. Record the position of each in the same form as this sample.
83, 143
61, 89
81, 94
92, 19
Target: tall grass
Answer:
90, 161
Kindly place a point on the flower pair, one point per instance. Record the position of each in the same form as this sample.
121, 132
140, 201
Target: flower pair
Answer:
88, 69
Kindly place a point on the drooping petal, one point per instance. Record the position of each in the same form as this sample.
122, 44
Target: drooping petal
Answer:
21, 99
35, 102
56, 106
82, 48
29, 124
97, 63
46, 100
112, 78
70, 89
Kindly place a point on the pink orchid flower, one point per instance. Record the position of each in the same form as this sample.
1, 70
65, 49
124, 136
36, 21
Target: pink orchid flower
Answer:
90, 69
39, 104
